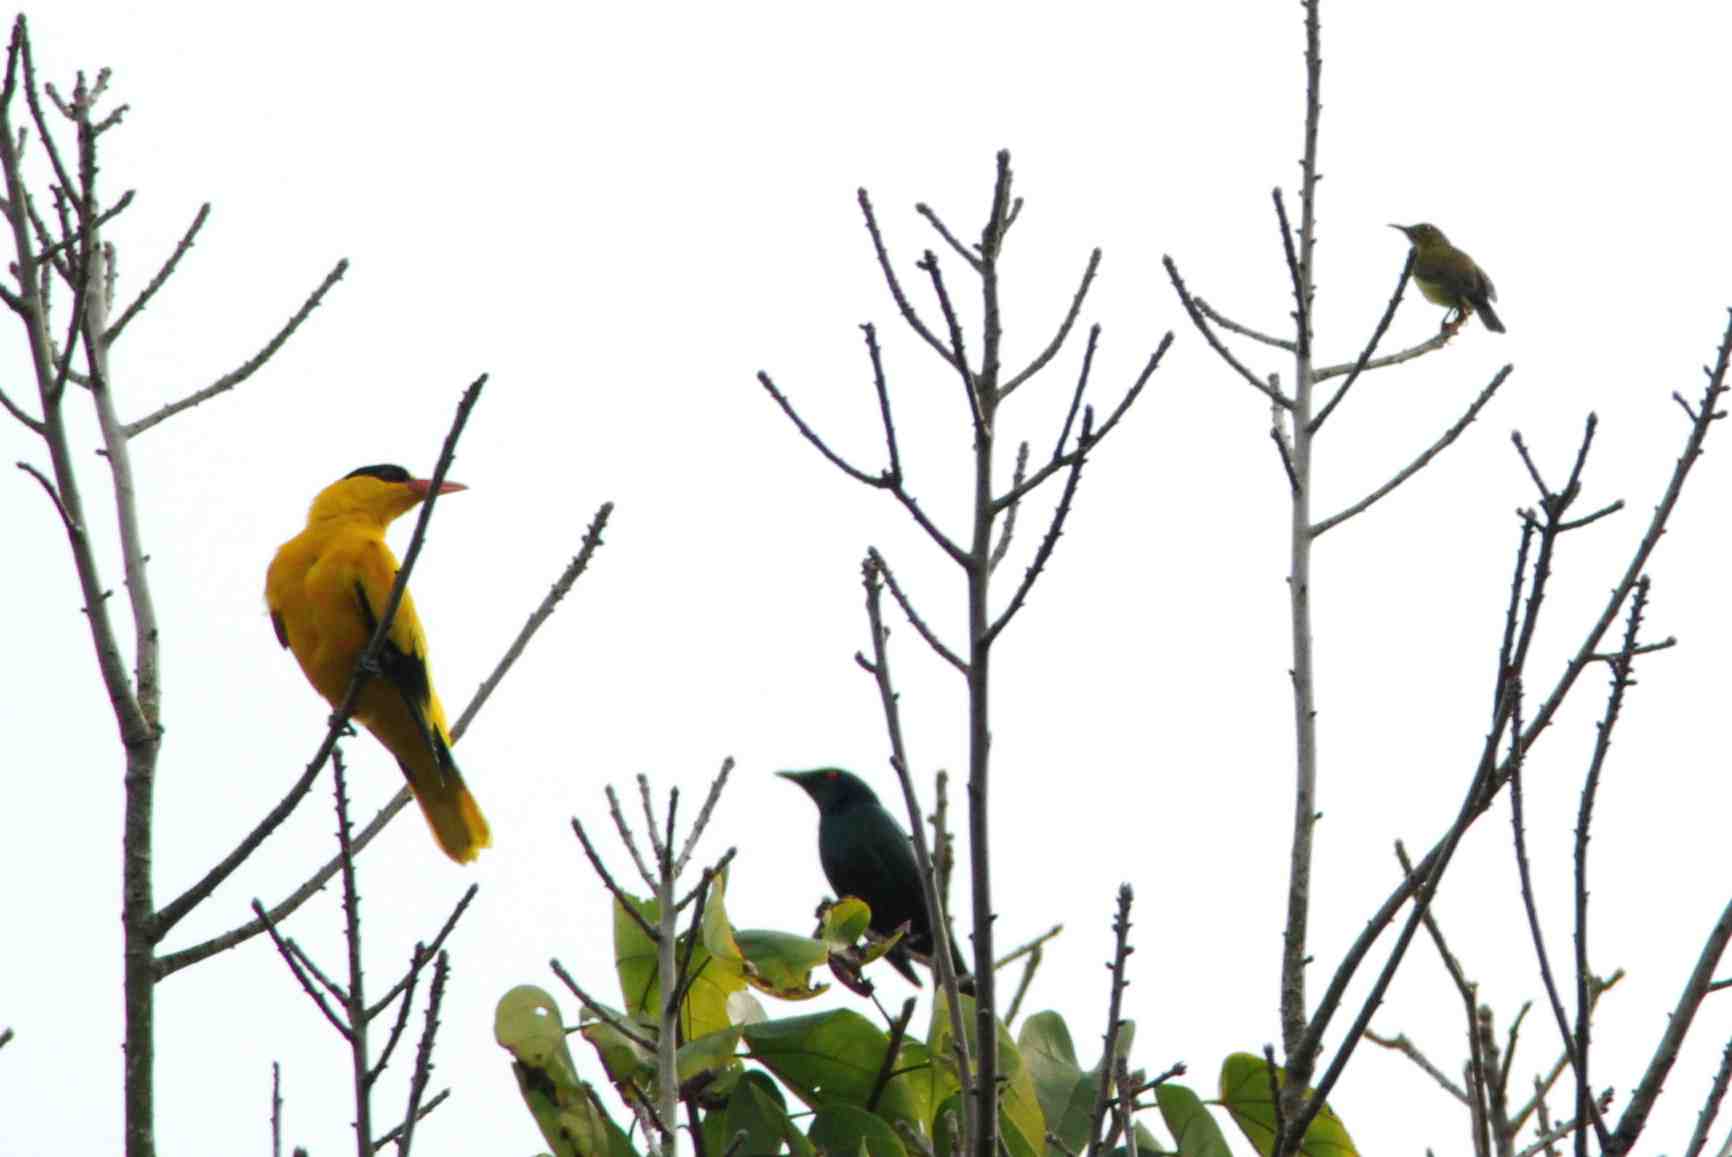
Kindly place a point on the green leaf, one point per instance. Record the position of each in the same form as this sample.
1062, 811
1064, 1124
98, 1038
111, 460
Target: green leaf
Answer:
1192, 1125
627, 1062
833, 1058
756, 1107
839, 1129
1067, 1094
526, 1022
781, 963
1022, 1123
1245, 1091
845, 922
634, 956
717, 976
707, 1053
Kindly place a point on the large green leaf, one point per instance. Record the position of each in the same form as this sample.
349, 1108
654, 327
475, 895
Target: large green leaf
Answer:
1189, 1121
715, 963
628, 1063
757, 1108
833, 1058
1067, 1094
1022, 1123
707, 1053
1246, 1093
781, 963
843, 1129
526, 1022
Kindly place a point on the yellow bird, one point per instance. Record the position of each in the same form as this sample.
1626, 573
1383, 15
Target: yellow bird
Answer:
326, 589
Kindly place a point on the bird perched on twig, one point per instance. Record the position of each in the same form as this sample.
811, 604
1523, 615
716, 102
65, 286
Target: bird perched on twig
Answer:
326, 589
1447, 276
866, 854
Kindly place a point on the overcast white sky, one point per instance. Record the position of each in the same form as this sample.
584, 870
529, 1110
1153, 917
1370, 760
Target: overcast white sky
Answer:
622, 213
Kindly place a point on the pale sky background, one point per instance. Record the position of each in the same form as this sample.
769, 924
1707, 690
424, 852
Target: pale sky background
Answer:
622, 213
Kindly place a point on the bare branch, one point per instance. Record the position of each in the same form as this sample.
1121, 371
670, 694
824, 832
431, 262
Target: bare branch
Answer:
424, 1054
1232, 326
1082, 381
1370, 347
902, 303
970, 384
962, 250
1086, 443
423, 955
1008, 531
114, 331
882, 389
1403, 1045
426, 1110
307, 984
1109, 1052
898, 1028
919, 624
703, 818
599, 1011
881, 481
1215, 343
562, 585
1053, 531
626, 903
247, 368
1711, 1106
1647, 1091
1299, 283
1058, 339
1419, 463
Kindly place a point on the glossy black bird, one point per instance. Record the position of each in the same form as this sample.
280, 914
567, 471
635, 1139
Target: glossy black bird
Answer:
866, 853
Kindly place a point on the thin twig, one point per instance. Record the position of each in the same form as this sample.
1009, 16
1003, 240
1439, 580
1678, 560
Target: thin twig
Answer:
1109, 1053
1711, 1105
424, 1054
1054, 529
599, 1011
962, 250
562, 585
306, 982
902, 303
247, 368
423, 955
626, 836
703, 819
426, 1109
1370, 346
1404, 1045
1215, 343
1086, 444
627, 903
1242, 330
898, 1027
162, 275
1008, 530
1058, 339
1412, 468
913, 616
1028, 947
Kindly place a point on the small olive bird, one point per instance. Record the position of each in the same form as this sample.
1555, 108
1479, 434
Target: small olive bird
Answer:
326, 589
1447, 276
